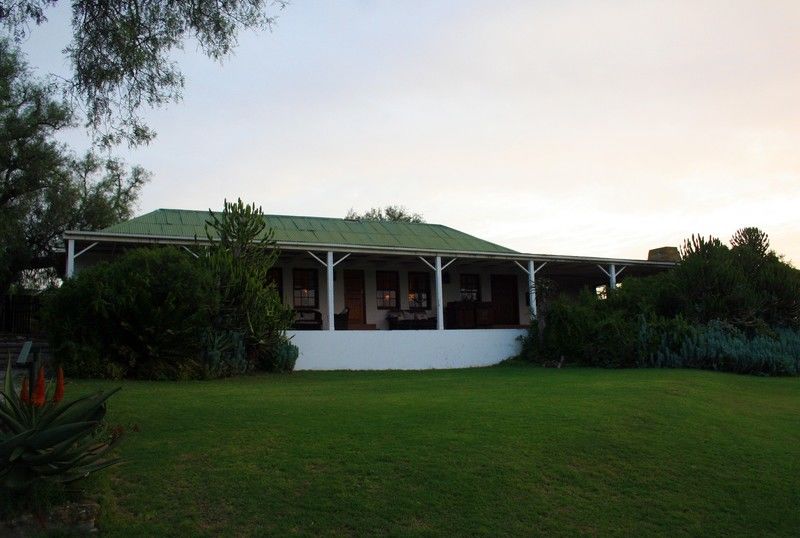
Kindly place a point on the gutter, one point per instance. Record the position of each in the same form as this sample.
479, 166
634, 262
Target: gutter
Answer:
389, 251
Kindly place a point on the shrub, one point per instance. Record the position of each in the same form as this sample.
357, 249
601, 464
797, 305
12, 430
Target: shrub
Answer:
718, 346
748, 285
734, 309
711, 286
140, 316
594, 337
224, 353
45, 440
241, 254
157, 313
283, 357
584, 331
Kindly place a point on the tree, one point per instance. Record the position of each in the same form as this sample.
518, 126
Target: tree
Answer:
751, 248
44, 188
121, 50
752, 239
394, 213
241, 253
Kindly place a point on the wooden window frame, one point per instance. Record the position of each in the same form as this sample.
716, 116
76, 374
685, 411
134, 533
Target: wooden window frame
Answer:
427, 278
477, 288
381, 290
296, 288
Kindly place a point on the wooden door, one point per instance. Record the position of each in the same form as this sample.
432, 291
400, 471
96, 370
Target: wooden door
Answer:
505, 300
354, 296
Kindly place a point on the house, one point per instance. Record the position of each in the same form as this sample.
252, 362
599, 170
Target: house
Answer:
384, 295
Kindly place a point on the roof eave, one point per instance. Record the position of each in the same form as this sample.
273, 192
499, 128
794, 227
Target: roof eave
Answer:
358, 249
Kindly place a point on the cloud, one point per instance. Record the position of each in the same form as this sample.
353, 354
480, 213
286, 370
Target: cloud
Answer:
597, 128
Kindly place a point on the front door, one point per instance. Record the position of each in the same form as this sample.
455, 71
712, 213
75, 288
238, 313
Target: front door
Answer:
354, 296
505, 301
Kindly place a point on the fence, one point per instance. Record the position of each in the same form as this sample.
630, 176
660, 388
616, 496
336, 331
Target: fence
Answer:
19, 314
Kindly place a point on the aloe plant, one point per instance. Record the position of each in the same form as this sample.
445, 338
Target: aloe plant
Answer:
45, 439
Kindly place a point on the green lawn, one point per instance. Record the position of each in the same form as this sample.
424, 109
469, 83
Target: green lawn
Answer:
505, 450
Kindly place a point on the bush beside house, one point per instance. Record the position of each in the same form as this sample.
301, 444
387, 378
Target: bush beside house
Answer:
139, 316
160, 313
724, 308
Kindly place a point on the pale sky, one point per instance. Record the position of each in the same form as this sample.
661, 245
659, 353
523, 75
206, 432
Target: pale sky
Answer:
599, 128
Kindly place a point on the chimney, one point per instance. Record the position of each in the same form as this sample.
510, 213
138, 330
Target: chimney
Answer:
664, 254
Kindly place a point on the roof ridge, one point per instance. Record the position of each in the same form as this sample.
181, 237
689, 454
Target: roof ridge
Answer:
205, 211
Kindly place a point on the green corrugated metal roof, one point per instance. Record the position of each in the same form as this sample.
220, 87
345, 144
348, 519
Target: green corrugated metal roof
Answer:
181, 223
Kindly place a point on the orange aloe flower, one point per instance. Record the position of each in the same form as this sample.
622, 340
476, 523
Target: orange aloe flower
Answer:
23, 391
59, 394
39, 393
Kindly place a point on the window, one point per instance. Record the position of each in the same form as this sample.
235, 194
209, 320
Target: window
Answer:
419, 291
275, 276
305, 286
470, 288
387, 289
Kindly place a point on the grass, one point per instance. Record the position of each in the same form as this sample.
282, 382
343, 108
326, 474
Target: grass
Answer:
496, 451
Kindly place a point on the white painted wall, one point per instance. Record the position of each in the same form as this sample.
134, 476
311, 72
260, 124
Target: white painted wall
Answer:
404, 350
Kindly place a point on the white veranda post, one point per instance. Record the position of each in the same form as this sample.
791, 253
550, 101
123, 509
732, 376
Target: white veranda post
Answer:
70, 257
612, 274
330, 266
532, 289
439, 295
531, 271
437, 271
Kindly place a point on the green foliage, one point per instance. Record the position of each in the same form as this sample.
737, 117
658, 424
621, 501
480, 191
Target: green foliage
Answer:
584, 331
283, 357
752, 240
712, 286
735, 309
139, 316
54, 441
697, 245
718, 346
779, 293
122, 51
597, 334
241, 254
224, 353
45, 188
393, 213
747, 286
161, 314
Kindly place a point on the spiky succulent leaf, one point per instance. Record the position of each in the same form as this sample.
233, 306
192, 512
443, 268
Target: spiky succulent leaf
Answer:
58, 441
52, 453
10, 443
8, 385
83, 472
89, 407
11, 422
53, 436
